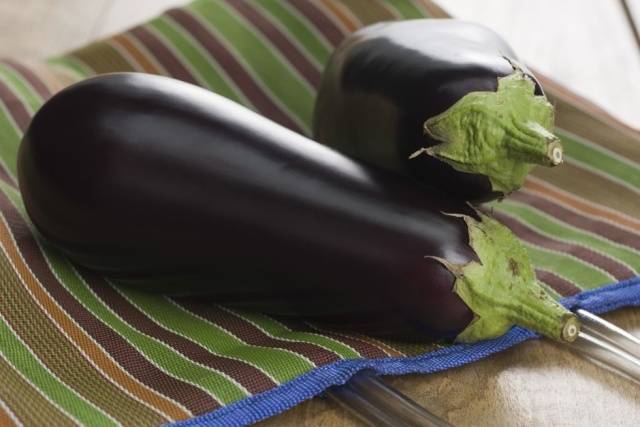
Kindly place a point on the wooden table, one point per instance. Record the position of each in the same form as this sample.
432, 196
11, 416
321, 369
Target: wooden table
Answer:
536, 383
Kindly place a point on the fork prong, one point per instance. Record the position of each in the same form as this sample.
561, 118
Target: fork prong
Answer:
608, 344
610, 332
377, 403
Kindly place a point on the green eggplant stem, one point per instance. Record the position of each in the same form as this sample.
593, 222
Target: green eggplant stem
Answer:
501, 134
502, 290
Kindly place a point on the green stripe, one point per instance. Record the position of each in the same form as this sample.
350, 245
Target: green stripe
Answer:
286, 84
19, 396
21, 88
297, 29
280, 364
601, 160
406, 9
9, 132
10, 137
103, 58
276, 329
14, 196
367, 13
583, 274
159, 353
554, 294
554, 228
271, 326
69, 63
24, 361
207, 70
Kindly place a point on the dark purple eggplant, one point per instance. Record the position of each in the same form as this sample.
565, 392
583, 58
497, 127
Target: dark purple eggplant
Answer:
164, 186
443, 101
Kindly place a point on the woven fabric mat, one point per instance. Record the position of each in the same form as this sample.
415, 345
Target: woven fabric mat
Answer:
74, 349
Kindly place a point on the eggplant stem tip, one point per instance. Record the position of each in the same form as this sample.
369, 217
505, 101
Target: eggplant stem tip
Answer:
555, 153
571, 329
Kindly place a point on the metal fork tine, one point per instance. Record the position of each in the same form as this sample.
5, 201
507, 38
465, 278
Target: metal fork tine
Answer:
608, 344
609, 331
378, 404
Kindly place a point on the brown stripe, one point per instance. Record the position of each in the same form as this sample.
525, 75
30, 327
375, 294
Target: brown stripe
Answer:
602, 228
26, 402
141, 59
8, 179
380, 350
369, 12
102, 58
336, 10
616, 269
18, 112
81, 339
163, 55
558, 94
391, 350
392, 11
47, 74
253, 335
280, 40
124, 54
433, 9
16, 108
59, 75
588, 207
619, 141
251, 378
55, 350
6, 419
364, 348
324, 25
234, 69
193, 398
31, 77
99, 356
590, 186
559, 284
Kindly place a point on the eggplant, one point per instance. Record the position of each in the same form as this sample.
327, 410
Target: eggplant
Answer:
445, 102
166, 187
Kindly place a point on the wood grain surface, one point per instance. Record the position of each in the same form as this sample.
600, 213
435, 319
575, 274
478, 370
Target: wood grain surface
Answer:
584, 44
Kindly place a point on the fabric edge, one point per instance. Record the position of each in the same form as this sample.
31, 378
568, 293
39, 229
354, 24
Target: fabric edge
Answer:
313, 383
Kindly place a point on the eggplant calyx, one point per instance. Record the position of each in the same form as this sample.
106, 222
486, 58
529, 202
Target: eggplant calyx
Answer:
500, 134
502, 290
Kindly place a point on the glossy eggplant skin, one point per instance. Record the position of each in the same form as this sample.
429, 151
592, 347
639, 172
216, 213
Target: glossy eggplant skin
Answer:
164, 186
384, 81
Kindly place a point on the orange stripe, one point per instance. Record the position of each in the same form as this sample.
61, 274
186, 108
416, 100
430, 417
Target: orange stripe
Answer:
391, 351
136, 54
6, 419
48, 76
344, 19
98, 356
614, 217
562, 94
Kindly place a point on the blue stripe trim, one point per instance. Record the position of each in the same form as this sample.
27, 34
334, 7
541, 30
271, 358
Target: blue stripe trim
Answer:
313, 383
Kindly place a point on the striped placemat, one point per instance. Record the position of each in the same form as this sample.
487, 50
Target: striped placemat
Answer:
75, 349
